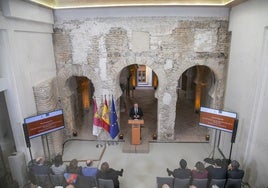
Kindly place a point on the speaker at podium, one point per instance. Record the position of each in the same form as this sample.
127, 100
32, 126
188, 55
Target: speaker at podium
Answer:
136, 130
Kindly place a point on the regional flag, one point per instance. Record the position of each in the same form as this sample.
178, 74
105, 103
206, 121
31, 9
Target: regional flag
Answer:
114, 128
105, 116
97, 127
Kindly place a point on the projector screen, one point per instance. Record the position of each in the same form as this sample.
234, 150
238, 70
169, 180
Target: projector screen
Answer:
217, 119
44, 123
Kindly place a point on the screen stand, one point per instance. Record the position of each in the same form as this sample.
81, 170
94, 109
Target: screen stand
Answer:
212, 154
46, 146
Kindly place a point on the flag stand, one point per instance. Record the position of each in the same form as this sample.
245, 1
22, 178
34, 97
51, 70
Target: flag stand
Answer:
99, 145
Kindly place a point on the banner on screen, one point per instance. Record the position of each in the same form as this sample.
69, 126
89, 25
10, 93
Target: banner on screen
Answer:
44, 123
217, 119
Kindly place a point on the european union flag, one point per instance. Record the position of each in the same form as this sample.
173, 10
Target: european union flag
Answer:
114, 128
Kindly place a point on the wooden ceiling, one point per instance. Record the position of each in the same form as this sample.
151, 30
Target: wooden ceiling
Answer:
64, 4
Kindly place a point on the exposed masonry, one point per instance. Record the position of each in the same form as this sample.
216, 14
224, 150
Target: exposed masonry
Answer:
100, 48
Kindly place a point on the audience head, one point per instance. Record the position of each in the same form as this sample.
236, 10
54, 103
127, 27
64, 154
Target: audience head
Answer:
225, 163
39, 160
234, 165
183, 163
104, 166
89, 162
214, 186
200, 167
74, 163
218, 162
58, 160
70, 186
165, 186
192, 186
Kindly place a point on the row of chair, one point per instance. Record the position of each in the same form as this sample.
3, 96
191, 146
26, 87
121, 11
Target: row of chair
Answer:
200, 183
50, 181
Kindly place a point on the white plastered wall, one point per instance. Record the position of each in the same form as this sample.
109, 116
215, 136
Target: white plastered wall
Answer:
27, 58
247, 89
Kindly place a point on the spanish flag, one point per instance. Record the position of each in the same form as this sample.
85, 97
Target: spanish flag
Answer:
105, 116
97, 127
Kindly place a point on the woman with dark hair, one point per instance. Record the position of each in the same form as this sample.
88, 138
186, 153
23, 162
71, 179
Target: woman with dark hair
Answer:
74, 168
199, 171
58, 167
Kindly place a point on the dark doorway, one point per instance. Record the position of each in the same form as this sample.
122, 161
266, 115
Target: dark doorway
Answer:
193, 92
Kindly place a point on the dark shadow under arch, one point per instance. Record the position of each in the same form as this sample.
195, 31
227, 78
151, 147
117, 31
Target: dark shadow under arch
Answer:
143, 94
193, 91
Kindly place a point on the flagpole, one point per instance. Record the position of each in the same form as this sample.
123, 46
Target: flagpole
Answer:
98, 138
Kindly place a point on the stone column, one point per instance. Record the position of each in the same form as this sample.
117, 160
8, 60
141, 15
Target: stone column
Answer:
167, 111
46, 100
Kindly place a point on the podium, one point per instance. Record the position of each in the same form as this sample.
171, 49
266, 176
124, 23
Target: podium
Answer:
136, 130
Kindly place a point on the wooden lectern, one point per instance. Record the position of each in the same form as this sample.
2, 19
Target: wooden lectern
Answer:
136, 130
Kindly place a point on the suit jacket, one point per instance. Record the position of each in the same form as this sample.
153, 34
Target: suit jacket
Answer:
181, 173
132, 113
235, 174
110, 174
217, 173
41, 170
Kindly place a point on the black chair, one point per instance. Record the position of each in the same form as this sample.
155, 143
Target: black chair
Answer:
200, 183
85, 181
181, 183
43, 181
219, 182
233, 183
164, 180
58, 180
105, 183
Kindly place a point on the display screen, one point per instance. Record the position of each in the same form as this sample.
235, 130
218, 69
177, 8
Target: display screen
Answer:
217, 119
44, 123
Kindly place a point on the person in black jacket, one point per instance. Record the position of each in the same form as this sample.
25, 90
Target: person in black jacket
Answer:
216, 171
233, 170
136, 112
181, 172
108, 173
40, 168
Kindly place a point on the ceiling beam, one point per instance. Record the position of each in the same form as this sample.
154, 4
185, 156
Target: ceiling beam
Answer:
64, 4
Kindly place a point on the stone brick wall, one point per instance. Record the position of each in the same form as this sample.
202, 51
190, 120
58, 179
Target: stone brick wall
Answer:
99, 48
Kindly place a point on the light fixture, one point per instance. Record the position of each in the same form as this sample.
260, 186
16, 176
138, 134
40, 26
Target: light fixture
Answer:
67, 4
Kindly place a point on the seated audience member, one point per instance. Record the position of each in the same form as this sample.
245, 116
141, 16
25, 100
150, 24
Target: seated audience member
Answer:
73, 168
225, 163
70, 186
165, 186
89, 170
192, 186
199, 172
58, 167
216, 171
181, 172
233, 170
108, 173
214, 186
40, 168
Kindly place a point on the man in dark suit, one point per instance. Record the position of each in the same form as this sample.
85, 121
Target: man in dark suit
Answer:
109, 174
234, 172
216, 171
40, 168
181, 172
136, 112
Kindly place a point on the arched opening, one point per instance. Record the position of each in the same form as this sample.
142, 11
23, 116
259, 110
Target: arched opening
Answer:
138, 84
81, 91
193, 92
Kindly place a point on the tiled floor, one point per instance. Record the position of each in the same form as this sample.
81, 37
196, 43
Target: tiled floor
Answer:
141, 169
